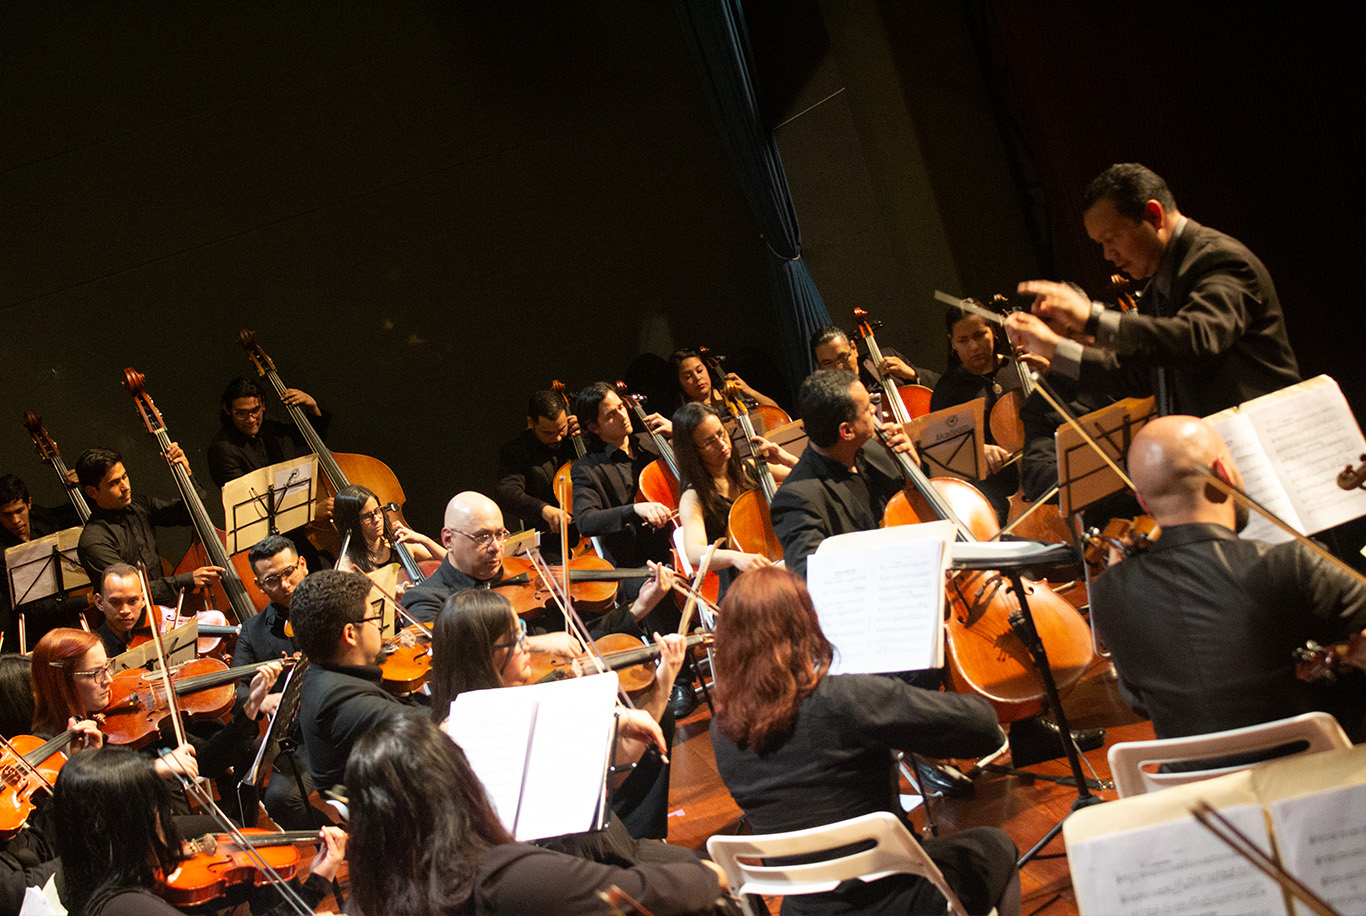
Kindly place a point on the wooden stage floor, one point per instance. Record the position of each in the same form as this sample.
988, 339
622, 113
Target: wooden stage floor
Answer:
700, 806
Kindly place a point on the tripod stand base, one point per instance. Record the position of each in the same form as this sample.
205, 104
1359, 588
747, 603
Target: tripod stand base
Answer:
1084, 801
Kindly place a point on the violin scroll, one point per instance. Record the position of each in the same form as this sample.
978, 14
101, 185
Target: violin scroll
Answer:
1353, 477
47, 449
246, 338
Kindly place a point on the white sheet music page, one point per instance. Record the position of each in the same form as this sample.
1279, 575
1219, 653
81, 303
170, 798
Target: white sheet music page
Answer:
1259, 477
1174, 867
880, 597
1322, 840
493, 728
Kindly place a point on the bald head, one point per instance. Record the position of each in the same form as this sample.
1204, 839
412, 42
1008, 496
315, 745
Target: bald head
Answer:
1168, 461
469, 510
472, 535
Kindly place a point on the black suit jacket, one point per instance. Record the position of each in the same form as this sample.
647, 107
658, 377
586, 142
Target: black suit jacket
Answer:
1211, 317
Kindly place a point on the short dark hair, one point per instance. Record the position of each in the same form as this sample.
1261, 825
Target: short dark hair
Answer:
12, 488
240, 387
113, 826
268, 547
824, 334
587, 403
824, 403
322, 606
470, 623
94, 463
544, 404
122, 570
1129, 186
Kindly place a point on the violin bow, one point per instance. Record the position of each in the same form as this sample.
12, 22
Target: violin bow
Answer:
164, 673
696, 590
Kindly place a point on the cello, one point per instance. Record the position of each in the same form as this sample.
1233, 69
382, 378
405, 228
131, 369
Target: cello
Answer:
563, 484
47, 450
722, 383
659, 481
985, 656
210, 550
905, 402
750, 526
339, 468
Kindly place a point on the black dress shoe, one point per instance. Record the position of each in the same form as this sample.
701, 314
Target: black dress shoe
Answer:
942, 780
1038, 739
682, 701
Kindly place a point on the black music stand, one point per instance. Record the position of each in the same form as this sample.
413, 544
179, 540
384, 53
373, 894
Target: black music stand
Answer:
1013, 560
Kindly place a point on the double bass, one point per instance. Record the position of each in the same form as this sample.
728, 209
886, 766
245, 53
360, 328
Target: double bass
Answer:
985, 656
230, 591
339, 468
47, 450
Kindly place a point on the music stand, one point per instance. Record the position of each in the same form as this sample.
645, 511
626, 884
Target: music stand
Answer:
951, 440
269, 500
1013, 560
1083, 476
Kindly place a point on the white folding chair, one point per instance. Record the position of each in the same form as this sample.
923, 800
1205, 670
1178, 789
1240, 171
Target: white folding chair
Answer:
1134, 764
895, 853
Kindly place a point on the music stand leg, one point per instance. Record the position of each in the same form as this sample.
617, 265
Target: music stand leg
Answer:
1022, 622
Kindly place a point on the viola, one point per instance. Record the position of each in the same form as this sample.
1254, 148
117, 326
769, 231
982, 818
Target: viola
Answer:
592, 584
47, 450
217, 862
904, 402
1122, 535
138, 704
624, 654
213, 629
405, 662
659, 481
985, 656
27, 765
339, 469
750, 526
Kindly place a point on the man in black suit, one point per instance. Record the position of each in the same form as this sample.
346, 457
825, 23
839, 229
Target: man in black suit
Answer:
527, 466
1208, 331
1202, 625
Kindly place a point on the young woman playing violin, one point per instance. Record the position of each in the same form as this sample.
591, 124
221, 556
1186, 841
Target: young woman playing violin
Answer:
117, 837
73, 680
424, 839
980, 368
479, 643
356, 511
714, 474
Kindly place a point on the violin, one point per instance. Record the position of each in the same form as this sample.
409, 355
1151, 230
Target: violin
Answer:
27, 765
138, 703
985, 656
1123, 288
47, 450
213, 630
750, 526
624, 654
592, 584
659, 481
1314, 662
217, 863
230, 590
339, 469
1122, 536
405, 662
904, 403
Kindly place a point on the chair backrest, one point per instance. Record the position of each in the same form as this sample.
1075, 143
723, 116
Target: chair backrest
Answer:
894, 851
1130, 760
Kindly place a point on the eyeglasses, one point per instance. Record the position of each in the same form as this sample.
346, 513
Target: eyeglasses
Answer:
839, 360
482, 541
249, 412
103, 673
519, 642
712, 441
273, 581
372, 515
375, 620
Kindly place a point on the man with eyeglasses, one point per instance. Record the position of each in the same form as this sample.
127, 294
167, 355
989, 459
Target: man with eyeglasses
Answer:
247, 441
338, 629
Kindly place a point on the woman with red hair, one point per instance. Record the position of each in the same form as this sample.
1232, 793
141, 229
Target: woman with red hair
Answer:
798, 747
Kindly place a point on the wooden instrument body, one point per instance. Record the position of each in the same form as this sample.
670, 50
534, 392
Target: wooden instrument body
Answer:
215, 597
1007, 429
216, 646
20, 784
407, 668
205, 690
751, 526
633, 660
207, 876
592, 585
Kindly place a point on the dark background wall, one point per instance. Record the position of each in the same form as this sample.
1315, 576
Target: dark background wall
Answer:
427, 209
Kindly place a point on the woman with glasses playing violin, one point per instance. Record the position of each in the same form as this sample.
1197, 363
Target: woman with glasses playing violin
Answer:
356, 512
714, 474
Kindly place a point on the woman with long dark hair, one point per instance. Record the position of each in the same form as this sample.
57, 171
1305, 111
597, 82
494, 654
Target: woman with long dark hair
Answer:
424, 839
116, 834
798, 747
695, 383
712, 475
373, 535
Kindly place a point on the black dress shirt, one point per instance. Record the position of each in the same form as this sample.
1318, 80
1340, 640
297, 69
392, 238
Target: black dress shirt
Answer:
958, 386
605, 483
1202, 626
822, 498
232, 454
526, 484
425, 601
338, 704
128, 536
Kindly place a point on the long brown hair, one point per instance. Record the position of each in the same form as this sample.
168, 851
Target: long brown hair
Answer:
692, 470
463, 637
770, 653
54, 689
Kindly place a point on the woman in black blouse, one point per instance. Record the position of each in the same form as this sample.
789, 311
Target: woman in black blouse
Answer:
799, 748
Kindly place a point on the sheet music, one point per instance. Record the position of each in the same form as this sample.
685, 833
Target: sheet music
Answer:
1259, 477
880, 597
1322, 839
951, 440
295, 481
1174, 867
540, 750
31, 568
72, 572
